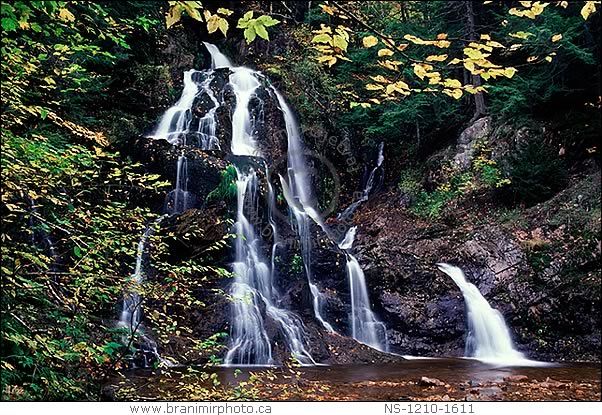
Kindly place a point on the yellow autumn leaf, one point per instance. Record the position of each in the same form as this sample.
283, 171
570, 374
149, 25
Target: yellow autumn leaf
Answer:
495, 44
374, 87
420, 69
509, 72
327, 9
473, 53
564, 4
380, 78
385, 52
66, 16
436, 58
392, 65
369, 41
485, 37
403, 47
588, 9
470, 67
441, 36
455, 61
557, 37
455, 93
416, 40
452, 83
521, 35
548, 58
329, 59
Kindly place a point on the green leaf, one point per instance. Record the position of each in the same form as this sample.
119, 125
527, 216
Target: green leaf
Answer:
77, 251
9, 24
261, 31
250, 34
244, 21
322, 38
340, 42
267, 21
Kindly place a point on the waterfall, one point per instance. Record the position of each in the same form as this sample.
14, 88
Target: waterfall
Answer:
218, 59
298, 193
488, 338
176, 119
365, 327
244, 83
179, 199
131, 309
252, 290
369, 185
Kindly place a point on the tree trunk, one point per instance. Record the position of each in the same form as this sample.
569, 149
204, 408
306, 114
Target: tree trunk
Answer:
479, 98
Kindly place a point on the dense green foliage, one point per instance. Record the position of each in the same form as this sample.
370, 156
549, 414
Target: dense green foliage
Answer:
536, 173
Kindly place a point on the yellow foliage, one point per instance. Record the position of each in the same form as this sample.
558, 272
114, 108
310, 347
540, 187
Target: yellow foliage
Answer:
385, 52
436, 58
588, 9
369, 41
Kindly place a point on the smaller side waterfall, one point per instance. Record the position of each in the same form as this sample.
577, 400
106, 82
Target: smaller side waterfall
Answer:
131, 309
370, 181
179, 199
365, 327
488, 338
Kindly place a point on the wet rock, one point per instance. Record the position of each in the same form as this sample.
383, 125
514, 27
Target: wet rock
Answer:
425, 381
161, 157
516, 378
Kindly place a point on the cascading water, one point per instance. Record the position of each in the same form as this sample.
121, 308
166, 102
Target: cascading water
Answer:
348, 213
131, 309
179, 199
174, 123
365, 327
244, 83
253, 289
488, 338
298, 193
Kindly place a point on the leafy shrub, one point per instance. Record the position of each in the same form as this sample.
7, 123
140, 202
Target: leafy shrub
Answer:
409, 182
536, 173
226, 189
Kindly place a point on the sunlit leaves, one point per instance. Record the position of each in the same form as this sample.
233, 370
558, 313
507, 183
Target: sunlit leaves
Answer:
191, 8
441, 41
66, 15
385, 52
256, 26
436, 58
331, 43
521, 35
556, 38
215, 22
369, 41
588, 9
530, 10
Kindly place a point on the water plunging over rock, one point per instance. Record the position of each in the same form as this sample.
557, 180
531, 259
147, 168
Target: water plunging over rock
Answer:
365, 327
252, 291
488, 338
